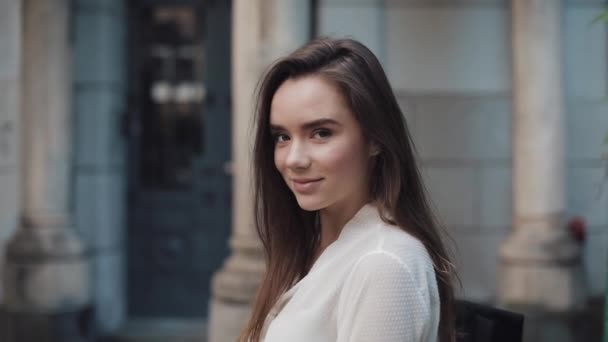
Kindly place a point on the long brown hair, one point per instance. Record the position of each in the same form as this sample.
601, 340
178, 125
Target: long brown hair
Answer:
290, 234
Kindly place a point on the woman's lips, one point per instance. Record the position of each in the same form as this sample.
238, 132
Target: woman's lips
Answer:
306, 185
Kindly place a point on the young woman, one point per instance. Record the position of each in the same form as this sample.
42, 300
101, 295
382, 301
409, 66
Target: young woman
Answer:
352, 248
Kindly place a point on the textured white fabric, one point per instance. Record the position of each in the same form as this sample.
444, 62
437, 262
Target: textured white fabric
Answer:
375, 283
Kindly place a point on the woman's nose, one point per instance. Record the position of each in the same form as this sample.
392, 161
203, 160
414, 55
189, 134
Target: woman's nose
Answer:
297, 156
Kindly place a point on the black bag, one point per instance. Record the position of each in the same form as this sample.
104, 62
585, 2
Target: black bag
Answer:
482, 323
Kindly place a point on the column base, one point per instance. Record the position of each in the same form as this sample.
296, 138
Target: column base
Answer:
542, 287
66, 326
540, 275
46, 272
551, 298
541, 268
234, 289
227, 319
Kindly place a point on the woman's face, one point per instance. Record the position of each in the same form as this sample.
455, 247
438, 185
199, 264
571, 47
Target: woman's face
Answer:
319, 146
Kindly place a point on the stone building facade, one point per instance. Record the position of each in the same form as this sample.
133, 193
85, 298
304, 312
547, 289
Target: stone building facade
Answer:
125, 136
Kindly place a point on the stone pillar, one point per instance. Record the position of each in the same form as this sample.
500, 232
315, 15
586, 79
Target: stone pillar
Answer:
10, 122
540, 270
46, 275
262, 31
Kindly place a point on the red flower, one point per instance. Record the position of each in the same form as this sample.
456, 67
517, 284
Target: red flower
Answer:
578, 228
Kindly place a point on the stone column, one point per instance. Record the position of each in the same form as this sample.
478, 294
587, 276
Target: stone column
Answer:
10, 123
46, 277
262, 31
540, 270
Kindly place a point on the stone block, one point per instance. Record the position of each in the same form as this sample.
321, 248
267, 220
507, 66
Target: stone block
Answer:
363, 20
10, 197
50, 286
10, 40
99, 41
453, 190
446, 3
476, 259
448, 49
585, 53
57, 327
350, 3
595, 254
227, 320
493, 128
406, 103
423, 3
444, 127
98, 128
585, 3
546, 287
10, 119
162, 329
587, 194
116, 6
586, 127
100, 209
109, 296
495, 202
455, 127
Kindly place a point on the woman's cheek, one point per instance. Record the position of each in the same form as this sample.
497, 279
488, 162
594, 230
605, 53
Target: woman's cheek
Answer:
339, 158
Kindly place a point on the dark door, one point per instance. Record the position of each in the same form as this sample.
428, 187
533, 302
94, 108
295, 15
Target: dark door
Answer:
179, 134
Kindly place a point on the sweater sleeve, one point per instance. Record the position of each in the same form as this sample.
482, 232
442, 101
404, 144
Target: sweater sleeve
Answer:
384, 301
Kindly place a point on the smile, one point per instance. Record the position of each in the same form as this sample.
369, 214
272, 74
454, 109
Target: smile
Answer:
306, 185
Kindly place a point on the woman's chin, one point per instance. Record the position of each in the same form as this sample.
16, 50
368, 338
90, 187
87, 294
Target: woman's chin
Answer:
309, 204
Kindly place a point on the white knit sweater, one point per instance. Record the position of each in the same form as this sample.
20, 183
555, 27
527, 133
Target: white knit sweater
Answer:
375, 283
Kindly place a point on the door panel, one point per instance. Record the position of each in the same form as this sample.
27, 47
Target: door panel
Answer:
179, 143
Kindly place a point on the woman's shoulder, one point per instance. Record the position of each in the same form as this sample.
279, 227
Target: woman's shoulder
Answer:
382, 243
397, 258
395, 239
396, 245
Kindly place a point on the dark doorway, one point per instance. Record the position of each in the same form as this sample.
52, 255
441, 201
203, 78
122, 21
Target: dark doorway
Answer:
179, 149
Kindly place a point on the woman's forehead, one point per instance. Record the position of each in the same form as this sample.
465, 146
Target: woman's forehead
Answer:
305, 99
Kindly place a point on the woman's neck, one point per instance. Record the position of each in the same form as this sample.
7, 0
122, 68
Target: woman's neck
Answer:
334, 218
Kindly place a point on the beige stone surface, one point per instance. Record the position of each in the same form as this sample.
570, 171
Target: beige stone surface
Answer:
46, 107
549, 287
46, 268
226, 323
47, 287
246, 65
448, 49
540, 263
362, 20
10, 65
585, 52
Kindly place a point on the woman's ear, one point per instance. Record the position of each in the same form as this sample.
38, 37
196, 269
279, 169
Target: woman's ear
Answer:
374, 149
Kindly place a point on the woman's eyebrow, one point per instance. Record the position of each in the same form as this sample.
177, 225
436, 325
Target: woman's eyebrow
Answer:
309, 125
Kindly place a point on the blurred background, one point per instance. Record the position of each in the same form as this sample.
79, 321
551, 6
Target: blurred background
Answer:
125, 129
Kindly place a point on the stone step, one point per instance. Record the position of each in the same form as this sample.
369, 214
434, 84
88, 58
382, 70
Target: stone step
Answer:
161, 330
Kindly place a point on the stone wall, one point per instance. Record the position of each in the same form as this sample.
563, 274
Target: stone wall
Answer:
585, 79
10, 129
450, 65
99, 99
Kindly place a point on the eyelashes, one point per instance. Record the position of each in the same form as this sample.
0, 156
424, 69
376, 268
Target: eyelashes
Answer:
277, 136
322, 133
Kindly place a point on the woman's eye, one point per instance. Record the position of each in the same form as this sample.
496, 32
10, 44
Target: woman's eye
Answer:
280, 137
322, 133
